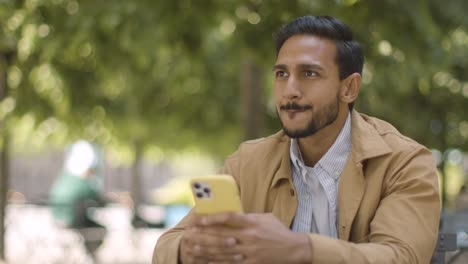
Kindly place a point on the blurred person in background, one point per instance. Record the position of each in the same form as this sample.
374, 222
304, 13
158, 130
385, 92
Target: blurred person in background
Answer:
334, 186
75, 191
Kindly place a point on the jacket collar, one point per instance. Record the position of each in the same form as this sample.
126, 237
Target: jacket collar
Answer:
284, 169
366, 144
366, 141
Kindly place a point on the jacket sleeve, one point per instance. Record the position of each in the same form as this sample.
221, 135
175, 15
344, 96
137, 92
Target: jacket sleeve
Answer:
405, 226
167, 246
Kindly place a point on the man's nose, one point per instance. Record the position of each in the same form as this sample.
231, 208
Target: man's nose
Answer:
292, 89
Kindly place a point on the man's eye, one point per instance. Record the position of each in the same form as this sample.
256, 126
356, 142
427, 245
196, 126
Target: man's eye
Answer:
310, 73
281, 74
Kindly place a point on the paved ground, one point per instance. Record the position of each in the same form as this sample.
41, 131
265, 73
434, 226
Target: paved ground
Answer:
33, 237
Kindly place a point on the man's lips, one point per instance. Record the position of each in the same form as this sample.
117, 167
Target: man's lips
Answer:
294, 108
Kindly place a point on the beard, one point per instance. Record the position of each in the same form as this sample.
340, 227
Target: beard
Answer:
321, 118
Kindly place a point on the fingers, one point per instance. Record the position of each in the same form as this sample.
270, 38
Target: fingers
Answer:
220, 231
187, 255
233, 258
208, 240
202, 245
229, 219
216, 253
197, 253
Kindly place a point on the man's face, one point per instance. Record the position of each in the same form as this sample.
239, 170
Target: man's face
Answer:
306, 85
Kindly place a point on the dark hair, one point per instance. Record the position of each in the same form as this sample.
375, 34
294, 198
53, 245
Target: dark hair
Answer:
349, 54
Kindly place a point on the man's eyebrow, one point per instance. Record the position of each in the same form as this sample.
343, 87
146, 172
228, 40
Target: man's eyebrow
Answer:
309, 66
300, 66
279, 67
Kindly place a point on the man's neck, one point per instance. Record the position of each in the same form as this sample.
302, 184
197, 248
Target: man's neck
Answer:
314, 147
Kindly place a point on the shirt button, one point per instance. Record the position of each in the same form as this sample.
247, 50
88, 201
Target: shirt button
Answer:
291, 191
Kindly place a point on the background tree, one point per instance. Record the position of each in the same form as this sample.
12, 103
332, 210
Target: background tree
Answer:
175, 74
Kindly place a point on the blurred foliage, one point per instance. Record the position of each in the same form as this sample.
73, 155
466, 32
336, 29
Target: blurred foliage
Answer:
454, 181
166, 73
176, 191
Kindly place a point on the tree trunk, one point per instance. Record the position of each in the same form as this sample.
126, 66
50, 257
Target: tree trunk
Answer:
3, 155
136, 175
3, 192
444, 148
252, 99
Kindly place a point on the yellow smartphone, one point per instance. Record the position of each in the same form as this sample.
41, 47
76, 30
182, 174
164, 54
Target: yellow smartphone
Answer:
215, 194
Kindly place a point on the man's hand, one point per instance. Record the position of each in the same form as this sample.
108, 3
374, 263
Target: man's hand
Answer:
203, 245
250, 238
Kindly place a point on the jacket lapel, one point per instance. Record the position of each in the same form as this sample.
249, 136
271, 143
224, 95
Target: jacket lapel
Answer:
366, 144
350, 192
286, 201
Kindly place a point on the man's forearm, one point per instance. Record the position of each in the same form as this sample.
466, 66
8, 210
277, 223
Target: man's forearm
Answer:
167, 248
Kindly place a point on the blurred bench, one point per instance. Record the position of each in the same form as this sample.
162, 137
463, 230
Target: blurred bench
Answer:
92, 233
455, 227
445, 243
148, 216
92, 237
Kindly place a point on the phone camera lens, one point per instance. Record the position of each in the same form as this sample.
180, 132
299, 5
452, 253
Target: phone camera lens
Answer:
196, 185
199, 195
206, 190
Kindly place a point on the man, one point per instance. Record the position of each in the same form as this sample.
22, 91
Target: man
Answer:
334, 186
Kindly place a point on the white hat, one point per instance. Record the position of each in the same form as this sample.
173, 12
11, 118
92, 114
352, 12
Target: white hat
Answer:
80, 158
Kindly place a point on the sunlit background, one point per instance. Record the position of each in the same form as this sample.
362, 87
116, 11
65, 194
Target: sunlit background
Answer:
165, 90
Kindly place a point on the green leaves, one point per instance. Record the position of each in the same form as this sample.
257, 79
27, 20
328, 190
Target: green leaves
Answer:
168, 73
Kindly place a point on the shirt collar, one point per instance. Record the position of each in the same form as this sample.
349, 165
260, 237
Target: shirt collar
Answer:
332, 162
335, 159
295, 154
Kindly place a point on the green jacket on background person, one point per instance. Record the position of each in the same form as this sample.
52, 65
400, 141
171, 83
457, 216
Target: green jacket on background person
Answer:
66, 193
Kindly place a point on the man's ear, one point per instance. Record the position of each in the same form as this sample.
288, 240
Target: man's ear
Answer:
350, 88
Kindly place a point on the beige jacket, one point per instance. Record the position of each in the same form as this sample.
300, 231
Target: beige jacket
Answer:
388, 199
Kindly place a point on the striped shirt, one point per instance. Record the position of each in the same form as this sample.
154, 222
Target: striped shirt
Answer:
317, 187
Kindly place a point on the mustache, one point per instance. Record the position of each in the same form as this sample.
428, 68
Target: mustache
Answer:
295, 106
